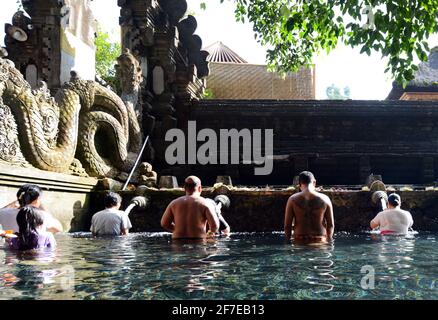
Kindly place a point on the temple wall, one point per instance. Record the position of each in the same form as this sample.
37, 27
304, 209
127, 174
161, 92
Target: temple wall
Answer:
342, 142
263, 211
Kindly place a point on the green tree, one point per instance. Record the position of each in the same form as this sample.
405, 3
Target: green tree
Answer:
334, 93
297, 30
107, 53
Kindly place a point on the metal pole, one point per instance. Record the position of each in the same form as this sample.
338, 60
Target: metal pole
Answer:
136, 163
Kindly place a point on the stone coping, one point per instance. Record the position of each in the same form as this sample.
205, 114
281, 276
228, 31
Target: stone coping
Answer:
15, 176
260, 192
280, 108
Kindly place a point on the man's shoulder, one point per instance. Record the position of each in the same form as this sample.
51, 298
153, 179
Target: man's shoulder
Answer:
177, 200
208, 203
101, 213
405, 212
109, 213
295, 196
324, 197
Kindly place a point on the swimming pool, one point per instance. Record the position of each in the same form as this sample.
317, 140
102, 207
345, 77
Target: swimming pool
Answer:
244, 266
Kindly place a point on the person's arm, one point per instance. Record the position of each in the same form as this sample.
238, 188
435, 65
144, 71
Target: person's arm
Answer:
226, 230
289, 216
92, 228
167, 219
375, 223
13, 205
51, 241
330, 220
212, 219
411, 221
52, 224
126, 225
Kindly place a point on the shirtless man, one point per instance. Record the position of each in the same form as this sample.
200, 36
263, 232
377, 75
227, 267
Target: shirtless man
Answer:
187, 216
309, 212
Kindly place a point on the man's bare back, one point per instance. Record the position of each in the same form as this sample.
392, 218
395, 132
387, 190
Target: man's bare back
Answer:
187, 217
310, 213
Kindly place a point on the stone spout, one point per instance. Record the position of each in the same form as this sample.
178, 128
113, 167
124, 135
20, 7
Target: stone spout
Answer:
380, 200
141, 202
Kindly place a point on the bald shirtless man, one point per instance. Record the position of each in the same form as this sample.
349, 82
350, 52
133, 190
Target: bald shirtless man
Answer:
309, 212
187, 216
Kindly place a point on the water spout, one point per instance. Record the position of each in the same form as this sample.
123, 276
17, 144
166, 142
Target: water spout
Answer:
129, 208
380, 200
141, 202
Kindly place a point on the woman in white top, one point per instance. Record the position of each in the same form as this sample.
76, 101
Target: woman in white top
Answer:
393, 220
28, 195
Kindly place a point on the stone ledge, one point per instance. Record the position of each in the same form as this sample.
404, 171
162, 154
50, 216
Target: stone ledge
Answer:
14, 176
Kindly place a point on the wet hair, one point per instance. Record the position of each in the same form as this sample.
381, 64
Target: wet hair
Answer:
191, 183
306, 178
28, 193
28, 220
394, 200
112, 199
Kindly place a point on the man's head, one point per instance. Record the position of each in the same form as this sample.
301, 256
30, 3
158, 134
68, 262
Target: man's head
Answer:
306, 179
192, 185
112, 200
394, 201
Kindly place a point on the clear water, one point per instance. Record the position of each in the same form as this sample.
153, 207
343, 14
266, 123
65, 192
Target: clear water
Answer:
245, 266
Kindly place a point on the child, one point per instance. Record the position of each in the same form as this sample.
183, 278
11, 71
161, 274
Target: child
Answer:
31, 234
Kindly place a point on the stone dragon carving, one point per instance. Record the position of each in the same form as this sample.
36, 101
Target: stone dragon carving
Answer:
85, 123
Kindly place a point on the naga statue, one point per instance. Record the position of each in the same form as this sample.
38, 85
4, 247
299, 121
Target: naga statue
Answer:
86, 129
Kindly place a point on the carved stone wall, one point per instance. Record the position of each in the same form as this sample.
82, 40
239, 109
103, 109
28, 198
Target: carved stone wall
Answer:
172, 62
42, 48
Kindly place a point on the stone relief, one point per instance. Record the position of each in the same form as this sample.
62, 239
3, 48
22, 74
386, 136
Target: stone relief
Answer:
60, 133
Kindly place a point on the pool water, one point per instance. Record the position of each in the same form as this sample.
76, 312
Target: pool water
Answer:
244, 266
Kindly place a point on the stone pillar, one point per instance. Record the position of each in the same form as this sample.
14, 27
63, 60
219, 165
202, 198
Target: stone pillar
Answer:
58, 37
154, 32
138, 19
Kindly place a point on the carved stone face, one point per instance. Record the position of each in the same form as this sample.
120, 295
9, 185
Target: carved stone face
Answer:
129, 70
145, 167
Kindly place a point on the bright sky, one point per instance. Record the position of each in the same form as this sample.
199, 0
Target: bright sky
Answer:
343, 67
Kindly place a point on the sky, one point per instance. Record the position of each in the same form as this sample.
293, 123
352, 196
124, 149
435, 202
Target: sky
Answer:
363, 74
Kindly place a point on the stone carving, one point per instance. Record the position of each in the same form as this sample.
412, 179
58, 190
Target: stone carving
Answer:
147, 177
193, 45
9, 145
130, 74
84, 120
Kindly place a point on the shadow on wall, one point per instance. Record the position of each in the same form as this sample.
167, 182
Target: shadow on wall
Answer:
81, 217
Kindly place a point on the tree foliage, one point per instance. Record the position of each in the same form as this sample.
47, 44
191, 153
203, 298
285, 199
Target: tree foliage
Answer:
107, 53
295, 31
